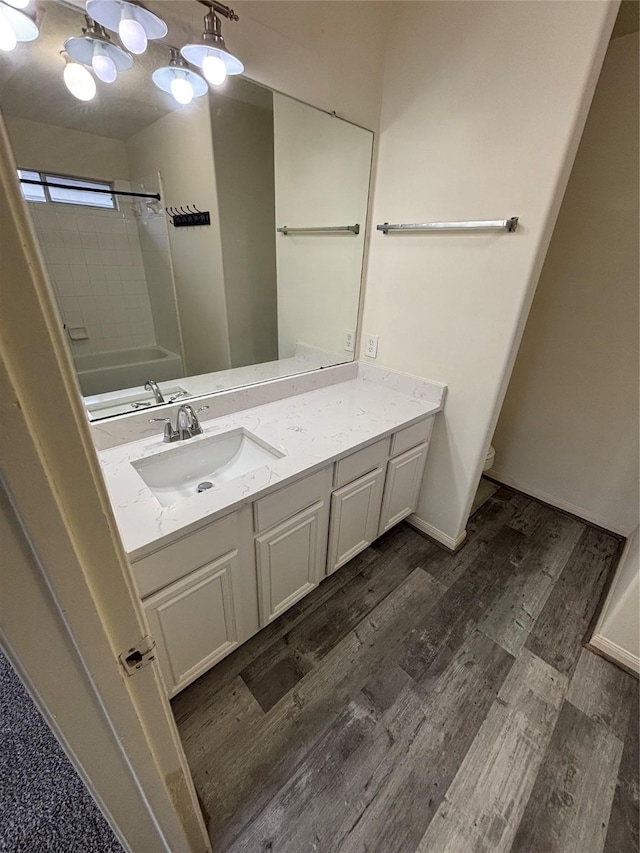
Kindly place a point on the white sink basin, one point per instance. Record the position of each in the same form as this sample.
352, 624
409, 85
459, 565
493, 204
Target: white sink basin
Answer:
191, 468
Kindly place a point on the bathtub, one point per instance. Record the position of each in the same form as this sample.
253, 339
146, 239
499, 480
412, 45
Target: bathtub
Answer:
111, 371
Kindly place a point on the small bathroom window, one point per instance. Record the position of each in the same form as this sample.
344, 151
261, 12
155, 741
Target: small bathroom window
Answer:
66, 190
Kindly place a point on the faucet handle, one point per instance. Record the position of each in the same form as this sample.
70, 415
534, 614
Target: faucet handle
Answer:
202, 408
170, 434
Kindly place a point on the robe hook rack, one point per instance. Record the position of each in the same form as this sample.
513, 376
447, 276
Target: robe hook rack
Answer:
191, 217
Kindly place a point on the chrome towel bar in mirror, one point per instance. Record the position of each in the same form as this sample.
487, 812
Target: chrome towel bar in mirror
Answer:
354, 229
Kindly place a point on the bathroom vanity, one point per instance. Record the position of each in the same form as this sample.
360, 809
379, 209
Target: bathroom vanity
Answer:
334, 468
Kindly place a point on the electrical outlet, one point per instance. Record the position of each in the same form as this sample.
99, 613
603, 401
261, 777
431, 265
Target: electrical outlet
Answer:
371, 346
349, 340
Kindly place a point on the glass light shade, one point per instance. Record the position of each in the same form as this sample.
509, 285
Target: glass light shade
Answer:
132, 34
104, 67
79, 81
8, 39
214, 70
181, 89
23, 27
164, 77
85, 49
196, 54
18, 4
113, 14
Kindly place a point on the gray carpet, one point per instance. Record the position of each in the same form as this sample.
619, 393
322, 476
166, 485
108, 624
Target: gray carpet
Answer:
44, 805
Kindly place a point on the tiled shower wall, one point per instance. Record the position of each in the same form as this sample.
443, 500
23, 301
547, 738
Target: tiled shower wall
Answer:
94, 260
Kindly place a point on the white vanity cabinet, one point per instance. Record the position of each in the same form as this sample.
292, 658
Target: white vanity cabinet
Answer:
193, 622
355, 510
200, 597
404, 473
212, 589
402, 485
291, 546
356, 502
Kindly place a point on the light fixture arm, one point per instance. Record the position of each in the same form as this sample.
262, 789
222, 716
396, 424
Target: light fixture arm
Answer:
95, 30
221, 9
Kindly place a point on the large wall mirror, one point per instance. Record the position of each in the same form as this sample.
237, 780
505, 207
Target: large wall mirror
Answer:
201, 308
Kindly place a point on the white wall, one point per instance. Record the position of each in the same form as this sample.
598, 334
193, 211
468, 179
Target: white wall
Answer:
617, 632
179, 147
568, 430
47, 148
322, 170
482, 108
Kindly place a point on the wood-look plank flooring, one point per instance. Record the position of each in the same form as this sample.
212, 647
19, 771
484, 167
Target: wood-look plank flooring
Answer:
425, 702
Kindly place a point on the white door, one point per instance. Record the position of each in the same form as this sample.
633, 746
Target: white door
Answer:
404, 476
355, 513
290, 560
69, 608
193, 622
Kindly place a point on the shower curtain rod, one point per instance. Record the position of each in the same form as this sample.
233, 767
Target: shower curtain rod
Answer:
156, 196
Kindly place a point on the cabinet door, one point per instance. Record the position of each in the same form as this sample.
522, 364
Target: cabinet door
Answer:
290, 560
404, 476
355, 512
193, 622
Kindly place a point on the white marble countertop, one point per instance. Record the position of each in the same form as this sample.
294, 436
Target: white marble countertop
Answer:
312, 429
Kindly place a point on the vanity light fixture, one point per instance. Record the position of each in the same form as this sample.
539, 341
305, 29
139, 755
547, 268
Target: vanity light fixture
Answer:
211, 53
15, 25
134, 24
179, 80
78, 79
96, 49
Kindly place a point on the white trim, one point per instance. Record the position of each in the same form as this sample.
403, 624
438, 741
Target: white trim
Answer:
552, 500
615, 652
441, 537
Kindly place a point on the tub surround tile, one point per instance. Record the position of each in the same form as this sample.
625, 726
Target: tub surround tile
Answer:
80, 250
312, 427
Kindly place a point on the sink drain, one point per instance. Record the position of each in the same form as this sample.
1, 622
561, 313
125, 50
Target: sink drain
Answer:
203, 487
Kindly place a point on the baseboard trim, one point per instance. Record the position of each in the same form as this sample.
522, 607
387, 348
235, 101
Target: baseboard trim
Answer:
615, 653
558, 503
442, 538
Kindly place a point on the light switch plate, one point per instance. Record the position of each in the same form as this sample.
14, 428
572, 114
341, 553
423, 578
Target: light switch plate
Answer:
371, 346
349, 340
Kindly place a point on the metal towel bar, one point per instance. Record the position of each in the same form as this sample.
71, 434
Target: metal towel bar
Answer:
510, 225
354, 229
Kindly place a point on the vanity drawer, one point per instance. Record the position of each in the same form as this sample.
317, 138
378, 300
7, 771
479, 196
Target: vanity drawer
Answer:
183, 556
290, 500
360, 462
411, 436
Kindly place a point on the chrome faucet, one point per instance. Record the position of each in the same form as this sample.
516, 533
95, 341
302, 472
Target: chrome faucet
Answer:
187, 424
151, 385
